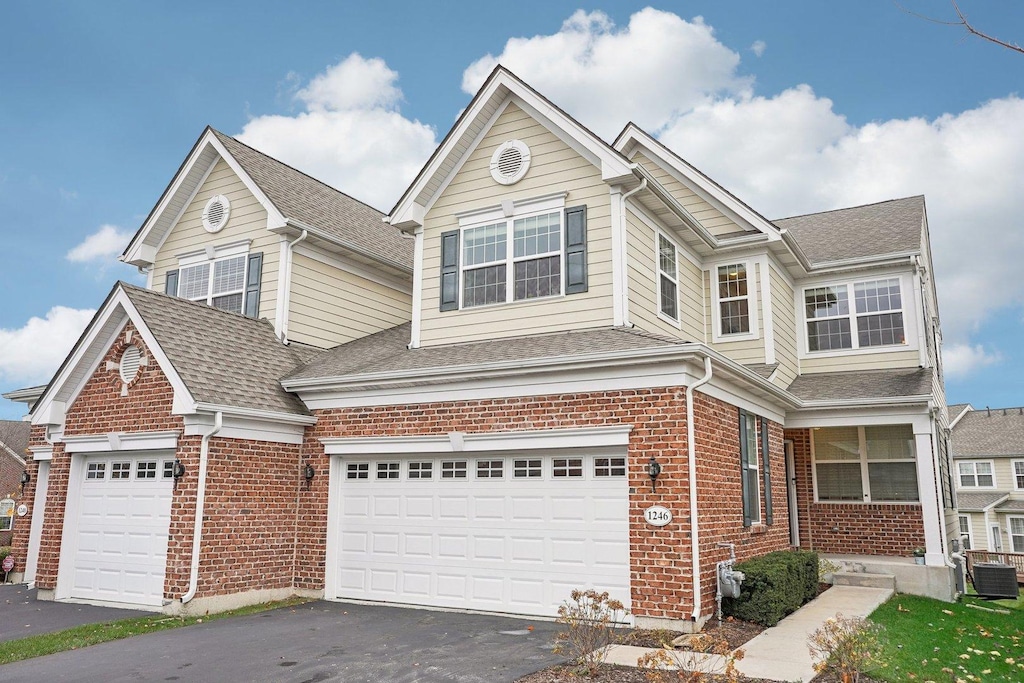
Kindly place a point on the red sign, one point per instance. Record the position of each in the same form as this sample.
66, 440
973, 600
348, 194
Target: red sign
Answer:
8, 564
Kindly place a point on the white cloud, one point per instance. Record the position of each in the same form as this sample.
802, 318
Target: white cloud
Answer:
649, 72
350, 134
959, 360
32, 353
792, 152
106, 243
758, 47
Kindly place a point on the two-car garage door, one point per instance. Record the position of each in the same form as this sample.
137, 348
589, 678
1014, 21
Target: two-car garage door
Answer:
498, 532
119, 537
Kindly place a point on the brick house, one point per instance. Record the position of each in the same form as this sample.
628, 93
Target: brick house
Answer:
13, 442
459, 404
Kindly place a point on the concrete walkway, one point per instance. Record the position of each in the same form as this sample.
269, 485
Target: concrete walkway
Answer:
779, 653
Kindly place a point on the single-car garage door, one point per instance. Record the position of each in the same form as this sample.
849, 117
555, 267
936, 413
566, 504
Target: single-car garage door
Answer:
120, 539
495, 532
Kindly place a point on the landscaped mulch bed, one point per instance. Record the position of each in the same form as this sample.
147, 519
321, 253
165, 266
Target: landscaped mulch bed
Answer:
733, 631
608, 674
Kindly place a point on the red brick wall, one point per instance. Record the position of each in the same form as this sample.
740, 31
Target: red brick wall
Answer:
22, 525
660, 557
10, 485
850, 528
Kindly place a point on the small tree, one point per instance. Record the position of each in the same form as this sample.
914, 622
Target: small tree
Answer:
590, 617
844, 647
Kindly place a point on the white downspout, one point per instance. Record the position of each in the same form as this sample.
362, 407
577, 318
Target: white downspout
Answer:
691, 454
623, 250
286, 304
197, 529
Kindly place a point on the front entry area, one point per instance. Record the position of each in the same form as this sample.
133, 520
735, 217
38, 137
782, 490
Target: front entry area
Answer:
115, 536
497, 532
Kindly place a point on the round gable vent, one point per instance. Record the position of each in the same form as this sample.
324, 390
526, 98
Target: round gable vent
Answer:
131, 358
510, 162
215, 215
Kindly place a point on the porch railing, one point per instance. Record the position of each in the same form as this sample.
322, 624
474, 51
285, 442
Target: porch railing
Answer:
1015, 559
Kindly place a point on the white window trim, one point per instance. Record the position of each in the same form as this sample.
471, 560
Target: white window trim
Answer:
676, 323
909, 318
753, 288
865, 480
1010, 535
990, 463
1015, 474
211, 256
509, 215
755, 513
970, 528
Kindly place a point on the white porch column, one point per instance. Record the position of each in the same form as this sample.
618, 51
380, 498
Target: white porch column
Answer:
931, 511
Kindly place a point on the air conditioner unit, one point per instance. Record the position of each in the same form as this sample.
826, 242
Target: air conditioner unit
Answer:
995, 580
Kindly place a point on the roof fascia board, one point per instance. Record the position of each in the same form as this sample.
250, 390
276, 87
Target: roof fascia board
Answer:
12, 453
670, 202
149, 253
254, 413
999, 501
275, 218
320, 234
967, 409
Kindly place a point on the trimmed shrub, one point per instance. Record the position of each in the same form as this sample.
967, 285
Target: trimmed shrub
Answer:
776, 584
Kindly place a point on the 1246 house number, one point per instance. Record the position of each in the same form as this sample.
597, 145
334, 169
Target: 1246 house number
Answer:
657, 515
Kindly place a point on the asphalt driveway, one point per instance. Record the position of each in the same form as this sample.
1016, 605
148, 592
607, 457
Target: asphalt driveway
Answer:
22, 615
320, 641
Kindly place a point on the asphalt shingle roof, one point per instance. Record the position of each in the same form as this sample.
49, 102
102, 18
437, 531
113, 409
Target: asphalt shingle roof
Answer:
15, 434
981, 432
223, 358
976, 501
829, 386
871, 230
386, 351
1012, 505
305, 199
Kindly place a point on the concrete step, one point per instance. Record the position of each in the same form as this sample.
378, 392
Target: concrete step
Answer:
864, 579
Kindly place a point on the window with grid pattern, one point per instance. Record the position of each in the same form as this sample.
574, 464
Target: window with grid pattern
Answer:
876, 463
96, 470
388, 470
965, 531
875, 319
526, 468
1017, 534
668, 278
357, 470
567, 467
453, 469
733, 299
421, 470
1018, 474
168, 469
609, 467
120, 470
145, 470
976, 475
490, 469
219, 283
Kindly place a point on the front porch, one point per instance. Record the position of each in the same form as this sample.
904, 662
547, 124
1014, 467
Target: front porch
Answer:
903, 574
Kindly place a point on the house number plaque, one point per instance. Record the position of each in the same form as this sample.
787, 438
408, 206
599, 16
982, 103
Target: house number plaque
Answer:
657, 515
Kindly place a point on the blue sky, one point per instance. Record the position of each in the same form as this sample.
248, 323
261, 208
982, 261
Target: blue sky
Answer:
800, 107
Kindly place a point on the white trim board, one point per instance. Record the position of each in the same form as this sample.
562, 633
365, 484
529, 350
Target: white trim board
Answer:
121, 441
459, 442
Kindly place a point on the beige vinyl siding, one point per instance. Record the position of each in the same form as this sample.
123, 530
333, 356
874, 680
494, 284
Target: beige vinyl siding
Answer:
746, 350
642, 264
711, 218
248, 220
861, 361
979, 530
331, 306
554, 167
783, 326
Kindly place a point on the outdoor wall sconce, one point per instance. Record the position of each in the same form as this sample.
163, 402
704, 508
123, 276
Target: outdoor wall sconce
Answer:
25, 478
653, 470
179, 469
308, 473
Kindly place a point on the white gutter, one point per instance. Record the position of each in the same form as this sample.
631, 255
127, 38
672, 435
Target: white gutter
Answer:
283, 332
623, 250
197, 528
691, 456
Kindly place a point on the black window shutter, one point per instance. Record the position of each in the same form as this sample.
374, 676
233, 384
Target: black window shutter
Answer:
744, 479
171, 283
767, 472
253, 276
450, 270
576, 249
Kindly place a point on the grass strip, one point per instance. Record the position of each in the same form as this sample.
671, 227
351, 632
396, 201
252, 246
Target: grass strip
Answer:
931, 640
93, 634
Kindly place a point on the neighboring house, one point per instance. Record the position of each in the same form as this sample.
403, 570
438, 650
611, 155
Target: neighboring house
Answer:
460, 405
988, 454
13, 442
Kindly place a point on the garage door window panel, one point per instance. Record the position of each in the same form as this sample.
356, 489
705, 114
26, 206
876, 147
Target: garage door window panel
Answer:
421, 470
609, 467
121, 470
96, 471
357, 470
453, 469
567, 467
145, 470
490, 469
388, 470
527, 469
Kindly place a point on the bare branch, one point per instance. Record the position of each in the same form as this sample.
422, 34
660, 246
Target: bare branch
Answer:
967, 25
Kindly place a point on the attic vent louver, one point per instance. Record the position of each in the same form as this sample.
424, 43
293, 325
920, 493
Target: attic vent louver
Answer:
510, 162
130, 361
215, 215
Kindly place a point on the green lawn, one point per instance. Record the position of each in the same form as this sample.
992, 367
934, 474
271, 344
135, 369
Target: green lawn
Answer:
92, 634
929, 640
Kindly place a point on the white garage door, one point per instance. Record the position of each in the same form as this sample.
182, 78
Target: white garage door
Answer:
495, 532
124, 514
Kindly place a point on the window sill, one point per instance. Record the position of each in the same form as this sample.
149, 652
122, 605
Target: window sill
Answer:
868, 502
758, 528
862, 351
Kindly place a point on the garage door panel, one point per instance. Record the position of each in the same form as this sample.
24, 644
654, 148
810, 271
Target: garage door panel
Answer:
513, 544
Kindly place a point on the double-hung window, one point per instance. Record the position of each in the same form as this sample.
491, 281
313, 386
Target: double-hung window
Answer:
668, 278
226, 278
966, 532
1016, 534
870, 464
875, 317
749, 471
1018, 474
734, 294
497, 258
976, 475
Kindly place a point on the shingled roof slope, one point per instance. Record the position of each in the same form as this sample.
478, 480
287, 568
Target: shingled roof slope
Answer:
307, 200
983, 432
867, 384
223, 358
976, 501
14, 434
888, 227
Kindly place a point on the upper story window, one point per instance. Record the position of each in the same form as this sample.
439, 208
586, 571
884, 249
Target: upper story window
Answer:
668, 278
227, 278
498, 258
874, 319
1018, 474
976, 475
869, 464
735, 312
